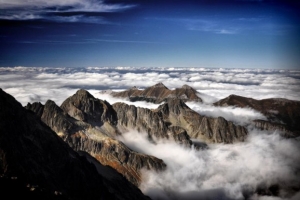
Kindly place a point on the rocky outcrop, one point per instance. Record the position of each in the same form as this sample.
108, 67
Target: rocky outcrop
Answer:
282, 114
207, 129
54, 117
159, 93
176, 121
36, 163
95, 138
131, 117
272, 126
85, 107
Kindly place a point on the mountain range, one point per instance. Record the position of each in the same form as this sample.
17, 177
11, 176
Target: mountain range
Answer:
51, 151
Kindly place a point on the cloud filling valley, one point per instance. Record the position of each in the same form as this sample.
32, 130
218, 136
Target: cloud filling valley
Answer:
230, 171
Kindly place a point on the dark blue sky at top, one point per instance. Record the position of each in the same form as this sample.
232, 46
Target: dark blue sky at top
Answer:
82, 33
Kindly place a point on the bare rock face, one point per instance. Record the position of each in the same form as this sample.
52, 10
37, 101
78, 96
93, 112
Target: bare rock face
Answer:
84, 107
272, 126
216, 130
131, 117
282, 114
53, 116
159, 93
96, 138
35, 163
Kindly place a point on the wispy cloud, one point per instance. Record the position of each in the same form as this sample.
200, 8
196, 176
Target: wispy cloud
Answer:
121, 41
213, 26
53, 10
230, 25
86, 41
205, 25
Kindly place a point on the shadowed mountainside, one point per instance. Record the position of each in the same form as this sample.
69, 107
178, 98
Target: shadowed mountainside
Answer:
35, 163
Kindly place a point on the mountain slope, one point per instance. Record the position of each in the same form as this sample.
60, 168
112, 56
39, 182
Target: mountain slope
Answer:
282, 114
145, 120
89, 124
216, 130
41, 162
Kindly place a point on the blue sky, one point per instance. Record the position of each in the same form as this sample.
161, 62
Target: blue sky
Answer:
82, 33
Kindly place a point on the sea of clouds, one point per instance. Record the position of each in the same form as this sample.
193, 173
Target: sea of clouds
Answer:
30, 84
231, 171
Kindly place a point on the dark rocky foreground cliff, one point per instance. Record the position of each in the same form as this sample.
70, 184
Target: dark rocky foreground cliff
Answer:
282, 114
36, 163
159, 93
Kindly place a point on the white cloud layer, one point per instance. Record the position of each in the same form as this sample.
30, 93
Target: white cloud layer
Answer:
223, 171
30, 84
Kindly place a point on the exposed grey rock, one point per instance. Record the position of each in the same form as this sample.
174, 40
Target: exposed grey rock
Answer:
55, 117
84, 107
282, 114
272, 126
159, 93
131, 117
208, 129
97, 138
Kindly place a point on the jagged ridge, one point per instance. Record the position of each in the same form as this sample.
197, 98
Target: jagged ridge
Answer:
282, 114
208, 129
131, 117
95, 138
159, 93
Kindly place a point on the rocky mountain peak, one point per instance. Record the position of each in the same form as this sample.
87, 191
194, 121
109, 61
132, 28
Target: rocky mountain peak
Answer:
235, 100
82, 93
187, 87
159, 93
173, 105
134, 88
36, 107
85, 107
160, 85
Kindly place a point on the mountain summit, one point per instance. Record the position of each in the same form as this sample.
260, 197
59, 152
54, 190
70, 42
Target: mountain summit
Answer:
159, 93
